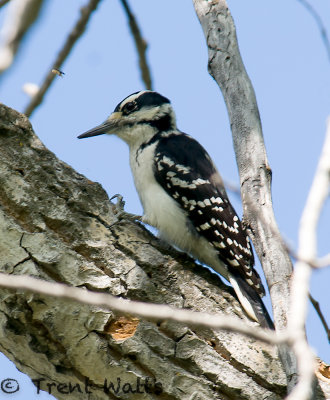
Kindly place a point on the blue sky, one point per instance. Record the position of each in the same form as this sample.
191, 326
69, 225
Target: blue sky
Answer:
285, 58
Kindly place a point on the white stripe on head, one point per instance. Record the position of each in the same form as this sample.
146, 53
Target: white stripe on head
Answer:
132, 97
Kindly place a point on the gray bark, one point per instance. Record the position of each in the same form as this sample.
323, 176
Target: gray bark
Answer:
54, 224
226, 67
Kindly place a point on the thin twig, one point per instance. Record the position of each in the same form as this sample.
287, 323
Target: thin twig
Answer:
20, 17
317, 308
307, 250
140, 44
315, 263
74, 35
233, 187
3, 2
319, 23
320, 262
151, 311
317, 196
324, 261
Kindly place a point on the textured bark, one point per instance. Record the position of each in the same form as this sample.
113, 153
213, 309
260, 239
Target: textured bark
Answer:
226, 67
54, 224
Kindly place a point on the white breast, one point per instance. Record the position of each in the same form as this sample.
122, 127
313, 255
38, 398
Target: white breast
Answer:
160, 210
165, 214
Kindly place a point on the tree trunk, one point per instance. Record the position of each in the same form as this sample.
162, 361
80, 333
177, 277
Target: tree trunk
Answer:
227, 68
55, 225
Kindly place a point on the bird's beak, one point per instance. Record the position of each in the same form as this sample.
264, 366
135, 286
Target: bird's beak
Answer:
109, 126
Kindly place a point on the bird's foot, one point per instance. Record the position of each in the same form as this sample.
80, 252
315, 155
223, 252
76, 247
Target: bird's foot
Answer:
120, 213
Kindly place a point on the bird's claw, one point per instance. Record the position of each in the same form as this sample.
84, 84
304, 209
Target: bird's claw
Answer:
120, 213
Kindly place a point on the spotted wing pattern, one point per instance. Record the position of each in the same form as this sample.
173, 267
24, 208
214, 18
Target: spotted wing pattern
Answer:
186, 172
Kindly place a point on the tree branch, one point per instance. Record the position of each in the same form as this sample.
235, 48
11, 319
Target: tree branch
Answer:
226, 67
307, 250
140, 44
20, 16
322, 262
3, 2
320, 24
54, 226
77, 31
154, 312
318, 310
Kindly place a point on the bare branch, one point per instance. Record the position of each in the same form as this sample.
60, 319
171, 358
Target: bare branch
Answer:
305, 358
226, 67
307, 250
315, 263
319, 23
232, 187
20, 17
151, 311
3, 2
74, 35
317, 308
318, 194
140, 44
322, 262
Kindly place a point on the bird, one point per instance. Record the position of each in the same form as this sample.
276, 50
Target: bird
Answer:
183, 194
58, 72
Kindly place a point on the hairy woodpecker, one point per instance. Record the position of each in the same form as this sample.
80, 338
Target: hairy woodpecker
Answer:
183, 195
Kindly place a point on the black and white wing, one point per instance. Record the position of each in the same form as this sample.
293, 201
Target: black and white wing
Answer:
186, 172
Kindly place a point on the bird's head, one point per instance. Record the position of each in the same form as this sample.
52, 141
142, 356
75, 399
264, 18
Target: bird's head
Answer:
137, 118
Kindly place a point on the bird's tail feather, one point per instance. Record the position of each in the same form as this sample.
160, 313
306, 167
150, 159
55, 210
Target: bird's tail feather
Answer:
251, 301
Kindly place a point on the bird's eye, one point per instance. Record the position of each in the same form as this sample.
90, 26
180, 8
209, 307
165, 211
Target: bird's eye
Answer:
129, 107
